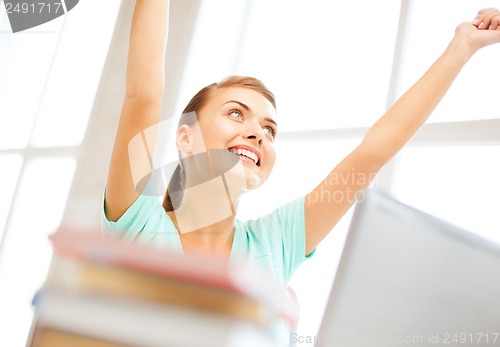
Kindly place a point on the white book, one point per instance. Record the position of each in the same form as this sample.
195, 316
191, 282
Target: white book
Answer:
143, 324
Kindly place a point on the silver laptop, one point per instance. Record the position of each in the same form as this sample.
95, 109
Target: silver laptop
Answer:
409, 279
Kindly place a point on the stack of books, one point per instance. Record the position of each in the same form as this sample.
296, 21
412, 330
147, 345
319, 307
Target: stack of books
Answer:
107, 293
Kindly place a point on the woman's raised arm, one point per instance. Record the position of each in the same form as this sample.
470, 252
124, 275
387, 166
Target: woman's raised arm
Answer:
330, 200
142, 104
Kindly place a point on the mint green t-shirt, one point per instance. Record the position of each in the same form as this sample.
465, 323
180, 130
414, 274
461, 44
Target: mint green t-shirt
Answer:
276, 241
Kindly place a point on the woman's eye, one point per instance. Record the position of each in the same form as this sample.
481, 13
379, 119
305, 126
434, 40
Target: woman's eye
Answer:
269, 131
236, 114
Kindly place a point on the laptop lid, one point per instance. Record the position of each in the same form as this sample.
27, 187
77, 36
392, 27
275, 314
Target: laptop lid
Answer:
407, 278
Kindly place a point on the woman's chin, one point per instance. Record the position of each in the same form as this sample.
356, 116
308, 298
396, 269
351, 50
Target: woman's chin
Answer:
244, 178
253, 178
253, 183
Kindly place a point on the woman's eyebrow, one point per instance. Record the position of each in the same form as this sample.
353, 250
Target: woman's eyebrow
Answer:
270, 120
239, 103
267, 119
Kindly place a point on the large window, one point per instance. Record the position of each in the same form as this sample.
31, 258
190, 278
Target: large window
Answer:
334, 67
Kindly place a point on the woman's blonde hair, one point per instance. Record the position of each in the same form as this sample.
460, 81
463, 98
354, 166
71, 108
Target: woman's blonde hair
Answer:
189, 117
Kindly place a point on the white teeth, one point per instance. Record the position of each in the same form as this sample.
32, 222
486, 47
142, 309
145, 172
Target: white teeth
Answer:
246, 153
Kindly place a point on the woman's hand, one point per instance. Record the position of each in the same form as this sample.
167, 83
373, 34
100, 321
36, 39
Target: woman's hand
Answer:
483, 31
488, 18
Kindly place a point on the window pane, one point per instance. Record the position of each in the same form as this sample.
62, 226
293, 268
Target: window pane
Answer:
464, 101
326, 69
26, 252
214, 47
456, 183
9, 173
75, 74
328, 62
22, 81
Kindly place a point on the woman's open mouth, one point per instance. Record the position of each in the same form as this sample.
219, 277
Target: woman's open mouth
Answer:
246, 154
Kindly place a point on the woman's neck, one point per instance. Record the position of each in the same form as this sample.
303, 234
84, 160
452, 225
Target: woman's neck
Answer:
205, 217
216, 239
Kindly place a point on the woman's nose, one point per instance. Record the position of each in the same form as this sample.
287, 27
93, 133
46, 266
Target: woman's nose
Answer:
254, 132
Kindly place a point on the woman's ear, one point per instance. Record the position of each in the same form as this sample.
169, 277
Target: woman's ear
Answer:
184, 139
189, 139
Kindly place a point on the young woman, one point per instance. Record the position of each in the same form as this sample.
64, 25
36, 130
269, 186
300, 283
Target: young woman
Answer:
226, 140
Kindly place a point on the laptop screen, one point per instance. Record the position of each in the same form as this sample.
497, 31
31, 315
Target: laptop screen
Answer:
409, 279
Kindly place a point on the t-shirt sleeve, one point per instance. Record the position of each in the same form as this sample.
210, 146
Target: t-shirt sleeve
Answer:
286, 235
293, 233
144, 221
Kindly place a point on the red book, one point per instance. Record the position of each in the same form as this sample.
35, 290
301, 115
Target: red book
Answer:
240, 278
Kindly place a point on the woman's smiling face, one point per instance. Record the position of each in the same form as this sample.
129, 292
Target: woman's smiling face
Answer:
241, 121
